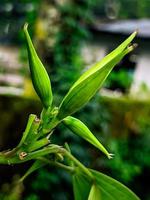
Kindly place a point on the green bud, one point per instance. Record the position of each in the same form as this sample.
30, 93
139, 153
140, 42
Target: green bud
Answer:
39, 76
77, 127
91, 81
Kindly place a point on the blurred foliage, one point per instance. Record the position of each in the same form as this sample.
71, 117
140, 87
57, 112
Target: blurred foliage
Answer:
13, 15
123, 9
12, 191
141, 9
12, 109
129, 141
120, 80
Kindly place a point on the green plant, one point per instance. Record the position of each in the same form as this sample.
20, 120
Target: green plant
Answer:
36, 145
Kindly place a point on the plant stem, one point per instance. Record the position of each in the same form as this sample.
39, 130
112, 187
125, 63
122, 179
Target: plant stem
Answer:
57, 164
3, 160
78, 163
38, 144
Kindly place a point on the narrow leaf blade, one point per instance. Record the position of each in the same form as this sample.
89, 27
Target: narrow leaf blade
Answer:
35, 166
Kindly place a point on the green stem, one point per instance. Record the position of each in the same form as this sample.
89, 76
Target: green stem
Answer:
18, 158
3, 160
57, 164
78, 163
38, 144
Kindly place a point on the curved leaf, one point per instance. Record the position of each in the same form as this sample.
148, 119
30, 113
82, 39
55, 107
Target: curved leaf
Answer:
112, 189
77, 127
103, 188
88, 84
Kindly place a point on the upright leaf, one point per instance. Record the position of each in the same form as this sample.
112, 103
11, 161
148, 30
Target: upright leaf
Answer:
88, 84
77, 127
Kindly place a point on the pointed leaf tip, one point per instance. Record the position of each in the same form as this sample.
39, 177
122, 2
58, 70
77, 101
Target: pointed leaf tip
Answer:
110, 155
25, 27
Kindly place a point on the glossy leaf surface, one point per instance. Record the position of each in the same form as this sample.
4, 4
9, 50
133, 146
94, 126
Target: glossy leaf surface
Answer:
112, 189
106, 187
94, 193
81, 187
88, 84
79, 128
39, 76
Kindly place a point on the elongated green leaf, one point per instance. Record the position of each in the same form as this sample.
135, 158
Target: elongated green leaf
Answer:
35, 166
106, 59
112, 189
106, 188
88, 84
94, 193
39, 76
77, 127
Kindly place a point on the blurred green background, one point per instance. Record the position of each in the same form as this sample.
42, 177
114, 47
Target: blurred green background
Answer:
69, 37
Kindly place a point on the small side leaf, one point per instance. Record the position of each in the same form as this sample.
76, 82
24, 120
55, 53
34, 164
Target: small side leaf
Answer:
89, 83
35, 166
77, 127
